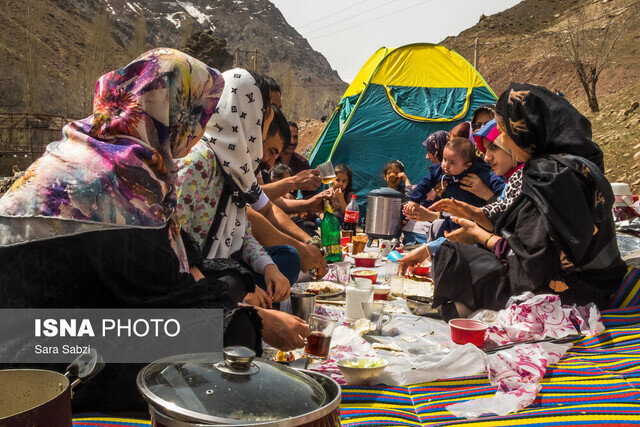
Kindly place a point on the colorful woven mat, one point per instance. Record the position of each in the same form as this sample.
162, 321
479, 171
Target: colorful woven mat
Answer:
596, 383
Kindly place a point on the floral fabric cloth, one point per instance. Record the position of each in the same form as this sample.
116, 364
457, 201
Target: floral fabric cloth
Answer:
542, 316
115, 168
199, 188
517, 371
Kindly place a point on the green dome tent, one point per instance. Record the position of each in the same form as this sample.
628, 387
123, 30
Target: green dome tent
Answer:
398, 98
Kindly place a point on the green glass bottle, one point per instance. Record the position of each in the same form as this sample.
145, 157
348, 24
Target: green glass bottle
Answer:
330, 233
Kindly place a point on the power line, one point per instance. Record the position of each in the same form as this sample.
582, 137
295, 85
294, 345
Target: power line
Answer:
332, 14
351, 16
372, 20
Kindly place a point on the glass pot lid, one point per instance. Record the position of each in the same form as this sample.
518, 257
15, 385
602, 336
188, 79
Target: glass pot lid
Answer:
212, 387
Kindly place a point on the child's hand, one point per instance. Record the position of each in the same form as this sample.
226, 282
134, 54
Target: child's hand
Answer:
403, 177
411, 208
337, 199
422, 214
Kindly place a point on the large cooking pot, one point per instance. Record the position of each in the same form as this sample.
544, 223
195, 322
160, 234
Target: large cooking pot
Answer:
41, 398
384, 214
235, 387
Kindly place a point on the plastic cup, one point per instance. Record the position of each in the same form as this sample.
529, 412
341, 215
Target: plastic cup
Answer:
465, 331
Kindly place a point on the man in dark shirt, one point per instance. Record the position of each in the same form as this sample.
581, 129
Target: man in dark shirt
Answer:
295, 161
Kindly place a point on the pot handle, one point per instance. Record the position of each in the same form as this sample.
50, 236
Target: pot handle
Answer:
84, 367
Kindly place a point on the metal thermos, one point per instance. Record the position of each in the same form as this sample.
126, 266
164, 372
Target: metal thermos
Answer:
384, 214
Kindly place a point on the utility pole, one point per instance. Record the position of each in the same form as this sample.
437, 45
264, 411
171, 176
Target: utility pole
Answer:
237, 59
475, 54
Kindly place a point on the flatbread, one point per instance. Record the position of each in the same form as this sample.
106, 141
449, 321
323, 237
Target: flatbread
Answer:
415, 288
386, 346
362, 326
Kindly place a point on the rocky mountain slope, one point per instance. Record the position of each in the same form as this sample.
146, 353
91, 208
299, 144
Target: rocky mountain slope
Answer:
521, 44
54, 49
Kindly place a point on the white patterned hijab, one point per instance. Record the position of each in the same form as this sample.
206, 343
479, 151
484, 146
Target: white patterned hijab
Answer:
234, 134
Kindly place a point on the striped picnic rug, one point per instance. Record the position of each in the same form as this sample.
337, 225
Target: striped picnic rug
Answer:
596, 383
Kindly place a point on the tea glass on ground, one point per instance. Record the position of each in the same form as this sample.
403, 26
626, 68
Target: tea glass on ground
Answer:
374, 312
319, 341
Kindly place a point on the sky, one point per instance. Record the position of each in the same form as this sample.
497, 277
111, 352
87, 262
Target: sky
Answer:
348, 32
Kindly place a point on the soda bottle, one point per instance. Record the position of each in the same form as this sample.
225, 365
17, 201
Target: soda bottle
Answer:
330, 233
351, 215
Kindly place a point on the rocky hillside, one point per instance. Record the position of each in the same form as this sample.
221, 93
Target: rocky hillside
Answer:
52, 50
521, 44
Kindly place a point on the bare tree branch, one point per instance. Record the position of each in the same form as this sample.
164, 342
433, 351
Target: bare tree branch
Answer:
588, 49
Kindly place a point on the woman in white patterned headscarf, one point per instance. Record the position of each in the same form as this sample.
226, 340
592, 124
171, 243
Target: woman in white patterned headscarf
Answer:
217, 181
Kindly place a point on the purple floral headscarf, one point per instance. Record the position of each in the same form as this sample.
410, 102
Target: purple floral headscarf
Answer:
115, 168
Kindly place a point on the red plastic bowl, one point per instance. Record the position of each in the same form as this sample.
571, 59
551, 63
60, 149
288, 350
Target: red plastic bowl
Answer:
372, 277
422, 271
468, 331
365, 262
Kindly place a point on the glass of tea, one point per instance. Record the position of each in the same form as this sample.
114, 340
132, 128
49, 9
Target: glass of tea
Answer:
319, 341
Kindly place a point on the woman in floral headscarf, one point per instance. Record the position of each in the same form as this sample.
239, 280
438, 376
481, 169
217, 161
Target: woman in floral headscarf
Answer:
90, 223
557, 236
